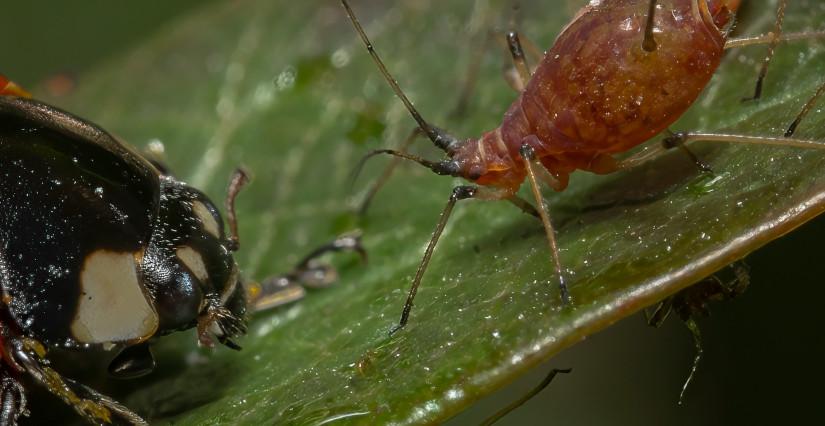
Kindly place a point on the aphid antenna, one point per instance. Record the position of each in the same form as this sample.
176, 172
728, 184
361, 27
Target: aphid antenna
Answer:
446, 167
439, 137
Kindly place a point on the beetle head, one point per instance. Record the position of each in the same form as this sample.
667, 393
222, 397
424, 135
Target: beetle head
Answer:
189, 268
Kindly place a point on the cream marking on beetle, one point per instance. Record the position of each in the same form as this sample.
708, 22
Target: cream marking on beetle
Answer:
112, 306
194, 261
210, 225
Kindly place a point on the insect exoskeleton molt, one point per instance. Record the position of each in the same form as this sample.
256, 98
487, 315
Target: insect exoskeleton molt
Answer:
620, 73
99, 249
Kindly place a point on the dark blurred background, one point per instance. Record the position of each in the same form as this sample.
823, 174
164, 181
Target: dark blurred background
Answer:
763, 351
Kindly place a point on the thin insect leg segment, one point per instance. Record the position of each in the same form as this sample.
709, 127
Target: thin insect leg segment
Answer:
690, 323
777, 31
516, 51
519, 61
693, 301
239, 179
670, 142
528, 155
459, 193
660, 313
439, 137
95, 407
649, 44
526, 397
805, 110
681, 139
769, 38
687, 137
524, 206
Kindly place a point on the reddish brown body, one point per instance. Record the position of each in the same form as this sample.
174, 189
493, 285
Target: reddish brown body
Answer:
597, 92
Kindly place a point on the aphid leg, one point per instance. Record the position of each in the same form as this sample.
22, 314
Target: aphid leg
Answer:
519, 74
687, 137
675, 142
239, 178
768, 38
653, 151
526, 397
459, 193
524, 206
519, 62
94, 406
805, 110
528, 155
775, 34
659, 314
283, 289
649, 43
12, 397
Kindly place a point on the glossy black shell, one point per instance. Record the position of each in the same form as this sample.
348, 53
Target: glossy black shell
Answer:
67, 188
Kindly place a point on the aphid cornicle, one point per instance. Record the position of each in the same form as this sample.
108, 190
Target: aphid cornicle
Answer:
619, 73
101, 249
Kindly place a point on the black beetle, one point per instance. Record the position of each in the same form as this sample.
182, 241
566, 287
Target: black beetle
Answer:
100, 247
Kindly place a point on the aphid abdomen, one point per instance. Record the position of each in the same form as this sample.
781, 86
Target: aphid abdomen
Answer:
597, 91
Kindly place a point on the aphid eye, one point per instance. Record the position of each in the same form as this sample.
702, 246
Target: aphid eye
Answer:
475, 172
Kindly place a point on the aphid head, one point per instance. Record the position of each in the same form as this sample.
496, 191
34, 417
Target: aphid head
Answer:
722, 12
484, 162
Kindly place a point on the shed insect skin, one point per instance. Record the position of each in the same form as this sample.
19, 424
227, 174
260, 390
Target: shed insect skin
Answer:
609, 83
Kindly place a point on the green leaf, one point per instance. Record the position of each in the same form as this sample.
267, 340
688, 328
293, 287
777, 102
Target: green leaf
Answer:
286, 89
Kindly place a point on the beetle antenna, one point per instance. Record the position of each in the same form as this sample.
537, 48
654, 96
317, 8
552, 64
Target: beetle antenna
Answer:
440, 138
239, 179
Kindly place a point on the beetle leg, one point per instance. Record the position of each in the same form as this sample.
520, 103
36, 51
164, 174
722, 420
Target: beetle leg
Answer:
309, 272
12, 398
133, 361
94, 406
